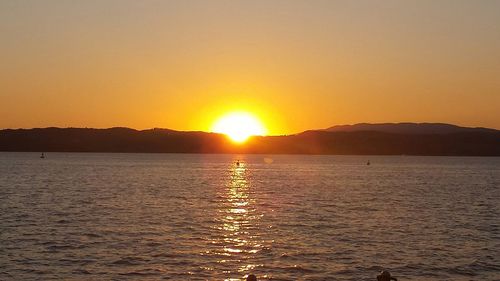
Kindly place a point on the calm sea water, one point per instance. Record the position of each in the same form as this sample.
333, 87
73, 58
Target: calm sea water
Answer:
203, 217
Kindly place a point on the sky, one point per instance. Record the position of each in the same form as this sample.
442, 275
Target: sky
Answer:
296, 65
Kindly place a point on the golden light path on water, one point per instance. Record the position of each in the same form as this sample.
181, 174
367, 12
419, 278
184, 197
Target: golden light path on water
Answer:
238, 225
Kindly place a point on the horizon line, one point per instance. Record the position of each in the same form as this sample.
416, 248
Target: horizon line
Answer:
202, 131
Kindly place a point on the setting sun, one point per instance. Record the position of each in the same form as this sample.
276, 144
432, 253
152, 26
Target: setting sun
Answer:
239, 126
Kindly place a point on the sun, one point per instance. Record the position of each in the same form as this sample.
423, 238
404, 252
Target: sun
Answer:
239, 126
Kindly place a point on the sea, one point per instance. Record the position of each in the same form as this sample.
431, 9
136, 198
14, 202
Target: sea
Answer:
110, 216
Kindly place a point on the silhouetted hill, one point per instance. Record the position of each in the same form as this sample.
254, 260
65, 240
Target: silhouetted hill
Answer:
380, 143
110, 140
407, 128
475, 142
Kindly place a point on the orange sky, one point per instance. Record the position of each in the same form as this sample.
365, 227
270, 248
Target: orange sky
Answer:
297, 65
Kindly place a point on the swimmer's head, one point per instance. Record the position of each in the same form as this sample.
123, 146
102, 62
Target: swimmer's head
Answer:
385, 276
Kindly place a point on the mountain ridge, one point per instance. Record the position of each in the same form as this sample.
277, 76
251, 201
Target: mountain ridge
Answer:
458, 142
407, 128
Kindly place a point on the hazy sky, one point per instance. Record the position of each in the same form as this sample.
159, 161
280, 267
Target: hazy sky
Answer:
296, 64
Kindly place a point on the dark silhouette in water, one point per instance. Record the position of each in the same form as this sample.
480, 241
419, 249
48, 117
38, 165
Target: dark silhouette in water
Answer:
42, 156
237, 162
385, 276
368, 163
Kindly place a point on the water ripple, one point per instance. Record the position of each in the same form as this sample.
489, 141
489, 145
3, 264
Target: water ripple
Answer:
204, 217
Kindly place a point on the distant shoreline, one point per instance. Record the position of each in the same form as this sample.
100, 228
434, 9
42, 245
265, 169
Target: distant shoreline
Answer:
454, 141
235, 153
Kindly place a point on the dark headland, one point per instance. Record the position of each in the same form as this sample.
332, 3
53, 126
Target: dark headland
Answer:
359, 139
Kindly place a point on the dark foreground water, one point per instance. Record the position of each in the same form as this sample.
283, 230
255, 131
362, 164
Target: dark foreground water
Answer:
202, 217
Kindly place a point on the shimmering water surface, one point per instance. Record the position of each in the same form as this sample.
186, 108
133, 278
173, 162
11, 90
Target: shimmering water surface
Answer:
203, 217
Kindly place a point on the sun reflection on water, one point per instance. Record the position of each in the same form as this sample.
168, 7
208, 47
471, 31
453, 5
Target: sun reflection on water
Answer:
239, 238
